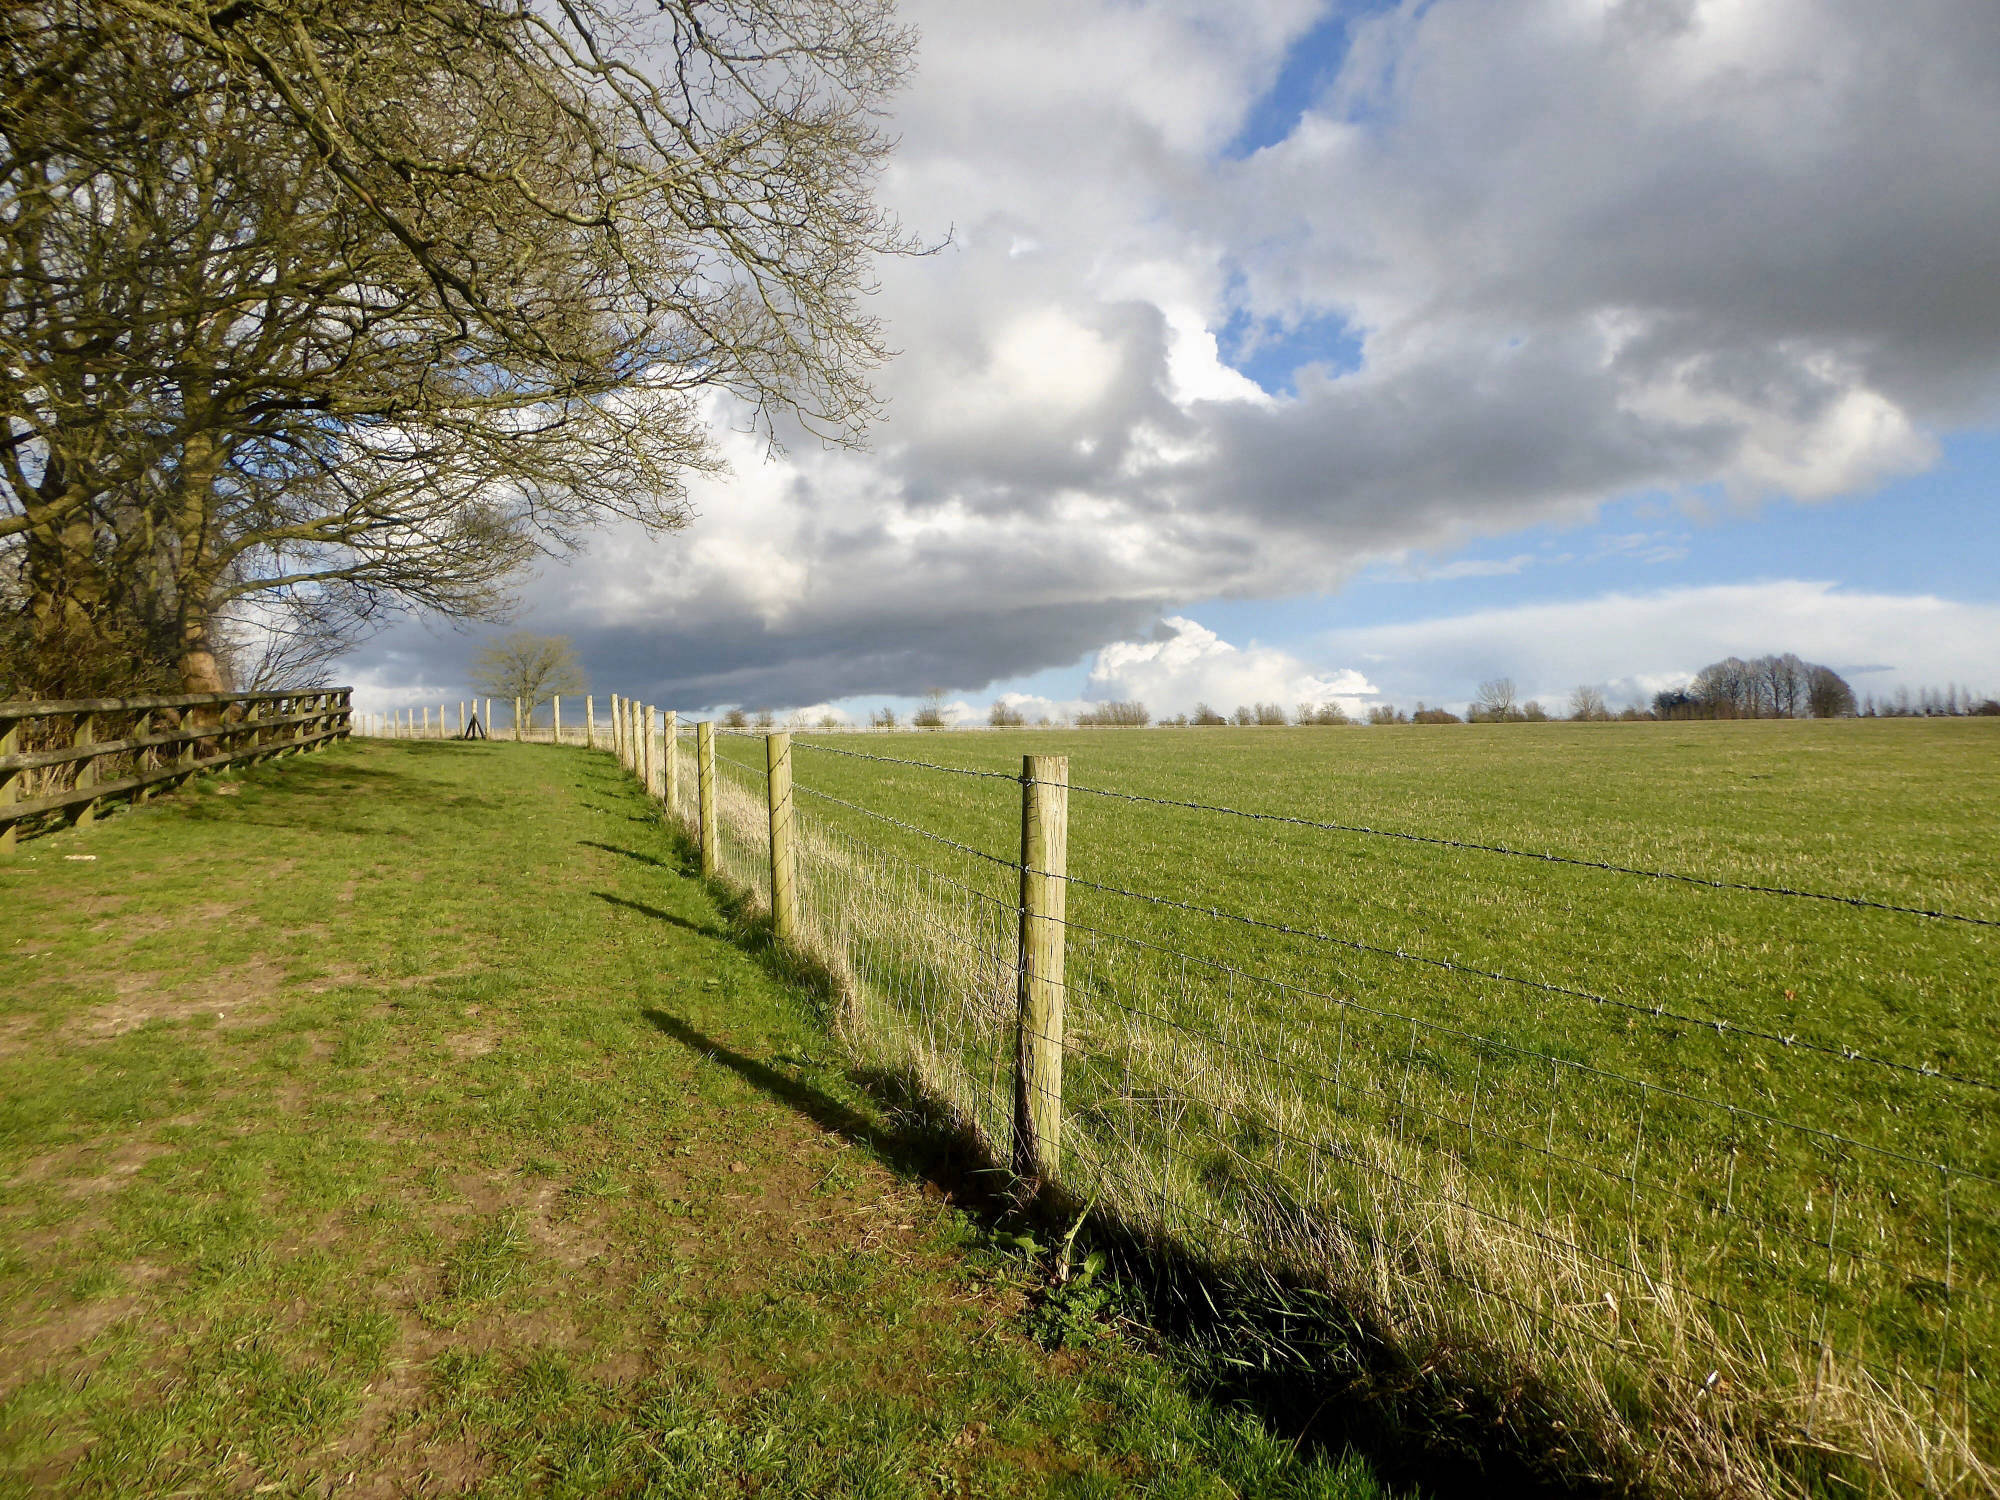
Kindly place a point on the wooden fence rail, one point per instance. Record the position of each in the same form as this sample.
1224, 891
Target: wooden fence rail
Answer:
65, 757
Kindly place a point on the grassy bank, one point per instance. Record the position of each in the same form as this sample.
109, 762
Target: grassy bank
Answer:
401, 1120
1711, 1173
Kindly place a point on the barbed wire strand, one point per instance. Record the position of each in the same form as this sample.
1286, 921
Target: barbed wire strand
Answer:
1473, 845
1443, 1028
1704, 881
924, 765
1656, 1012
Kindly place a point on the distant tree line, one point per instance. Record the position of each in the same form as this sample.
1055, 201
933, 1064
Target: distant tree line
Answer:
1770, 687
1766, 687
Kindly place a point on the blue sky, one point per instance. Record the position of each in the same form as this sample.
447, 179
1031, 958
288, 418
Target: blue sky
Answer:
1358, 351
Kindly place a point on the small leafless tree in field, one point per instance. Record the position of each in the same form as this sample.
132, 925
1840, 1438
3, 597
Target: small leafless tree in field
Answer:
1586, 705
1495, 703
533, 668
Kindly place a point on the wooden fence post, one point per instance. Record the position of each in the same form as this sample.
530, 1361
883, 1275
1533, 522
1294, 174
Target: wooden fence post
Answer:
86, 773
461, 718
704, 767
647, 776
555, 707
784, 890
10, 781
589, 721
671, 739
1044, 904
618, 729
517, 721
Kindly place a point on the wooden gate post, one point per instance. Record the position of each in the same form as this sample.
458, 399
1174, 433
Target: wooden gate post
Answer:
1038, 1067
784, 890
704, 766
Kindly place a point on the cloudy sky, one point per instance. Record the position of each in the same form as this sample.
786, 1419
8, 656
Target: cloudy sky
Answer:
1290, 349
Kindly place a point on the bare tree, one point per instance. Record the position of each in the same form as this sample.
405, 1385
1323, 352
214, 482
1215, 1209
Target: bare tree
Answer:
533, 668
1728, 689
1120, 714
1495, 703
1321, 713
931, 712
1828, 695
1203, 714
362, 305
1005, 716
1586, 705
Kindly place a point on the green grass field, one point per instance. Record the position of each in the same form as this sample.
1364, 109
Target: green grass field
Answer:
404, 1120
1768, 1255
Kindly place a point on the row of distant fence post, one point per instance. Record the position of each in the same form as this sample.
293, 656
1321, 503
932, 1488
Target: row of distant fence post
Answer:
652, 754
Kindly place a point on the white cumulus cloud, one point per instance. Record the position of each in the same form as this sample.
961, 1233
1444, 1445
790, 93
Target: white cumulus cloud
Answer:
1632, 645
1184, 664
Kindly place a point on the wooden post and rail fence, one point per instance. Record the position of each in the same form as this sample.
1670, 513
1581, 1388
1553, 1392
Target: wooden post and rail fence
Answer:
63, 758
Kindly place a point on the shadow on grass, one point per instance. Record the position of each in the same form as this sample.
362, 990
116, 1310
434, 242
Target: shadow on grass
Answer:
676, 866
1249, 1339
701, 929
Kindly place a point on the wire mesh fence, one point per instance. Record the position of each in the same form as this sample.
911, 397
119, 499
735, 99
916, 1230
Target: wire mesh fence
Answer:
1759, 1257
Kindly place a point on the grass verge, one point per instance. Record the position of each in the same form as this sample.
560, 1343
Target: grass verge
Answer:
399, 1120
